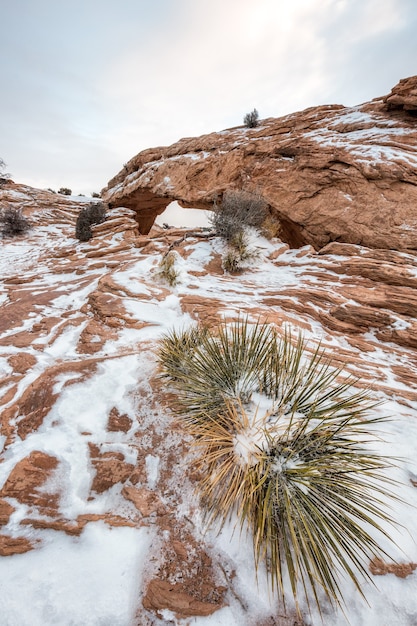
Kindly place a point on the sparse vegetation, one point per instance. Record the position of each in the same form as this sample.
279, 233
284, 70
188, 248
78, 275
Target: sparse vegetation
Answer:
13, 222
65, 191
239, 254
166, 269
283, 442
93, 213
95, 194
236, 210
251, 120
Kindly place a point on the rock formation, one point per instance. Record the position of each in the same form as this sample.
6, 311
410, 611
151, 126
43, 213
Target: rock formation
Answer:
329, 173
89, 439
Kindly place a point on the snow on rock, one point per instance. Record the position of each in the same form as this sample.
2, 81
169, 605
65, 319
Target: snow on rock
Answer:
99, 521
329, 173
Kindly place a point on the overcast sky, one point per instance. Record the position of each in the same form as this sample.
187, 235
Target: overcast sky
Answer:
87, 84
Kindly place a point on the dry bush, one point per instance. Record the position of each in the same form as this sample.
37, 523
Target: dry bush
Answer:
93, 213
239, 254
4, 176
237, 210
166, 269
251, 120
13, 222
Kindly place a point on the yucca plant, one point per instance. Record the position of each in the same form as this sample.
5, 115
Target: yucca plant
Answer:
284, 444
207, 368
239, 254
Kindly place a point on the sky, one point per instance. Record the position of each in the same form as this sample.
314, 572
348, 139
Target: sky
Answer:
87, 84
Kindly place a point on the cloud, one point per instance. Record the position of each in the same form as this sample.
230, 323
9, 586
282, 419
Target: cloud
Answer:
86, 89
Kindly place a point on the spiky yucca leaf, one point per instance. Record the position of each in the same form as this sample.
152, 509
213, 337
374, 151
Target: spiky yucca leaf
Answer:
224, 363
176, 350
283, 444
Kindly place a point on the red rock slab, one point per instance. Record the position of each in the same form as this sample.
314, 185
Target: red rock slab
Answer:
21, 362
317, 169
117, 422
93, 337
146, 501
38, 398
26, 479
76, 527
111, 469
378, 567
161, 594
6, 510
403, 96
14, 545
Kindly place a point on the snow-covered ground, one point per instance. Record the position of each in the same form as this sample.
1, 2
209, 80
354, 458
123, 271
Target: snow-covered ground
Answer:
98, 577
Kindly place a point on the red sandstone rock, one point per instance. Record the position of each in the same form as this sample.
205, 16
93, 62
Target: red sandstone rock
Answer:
118, 422
111, 469
161, 594
14, 545
146, 501
329, 173
27, 478
357, 294
21, 362
378, 567
404, 96
6, 510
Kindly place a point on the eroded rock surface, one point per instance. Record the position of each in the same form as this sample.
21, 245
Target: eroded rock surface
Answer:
329, 173
89, 438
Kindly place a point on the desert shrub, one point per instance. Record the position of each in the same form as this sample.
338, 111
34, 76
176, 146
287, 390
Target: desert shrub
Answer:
239, 253
13, 222
166, 269
65, 191
283, 442
236, 210
270, 227
93, 213
251, 119
95, 194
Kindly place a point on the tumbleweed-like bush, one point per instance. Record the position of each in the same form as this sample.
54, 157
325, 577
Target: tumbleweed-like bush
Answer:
13, 222
93, 213
236, 210
284, 441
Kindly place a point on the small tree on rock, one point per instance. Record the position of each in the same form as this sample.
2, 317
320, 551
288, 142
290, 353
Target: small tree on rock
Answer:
251, 120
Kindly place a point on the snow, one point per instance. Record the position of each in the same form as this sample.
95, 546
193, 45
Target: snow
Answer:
358, 141
88, 581
96, 579
152, 470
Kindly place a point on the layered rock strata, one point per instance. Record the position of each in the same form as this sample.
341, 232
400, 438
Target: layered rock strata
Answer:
329, 173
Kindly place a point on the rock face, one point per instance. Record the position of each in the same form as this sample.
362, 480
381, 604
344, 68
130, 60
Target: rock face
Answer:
404, 96
329, 173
